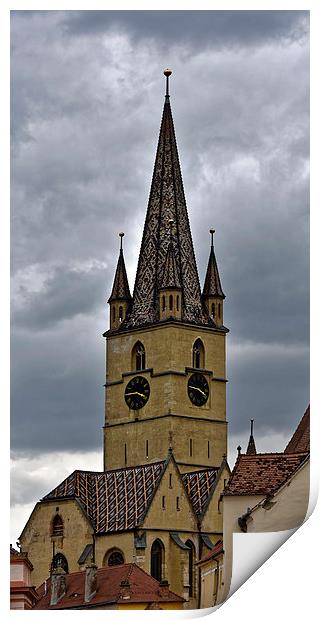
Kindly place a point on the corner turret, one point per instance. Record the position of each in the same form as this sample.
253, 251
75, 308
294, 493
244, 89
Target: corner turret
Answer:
120, 298
213, 295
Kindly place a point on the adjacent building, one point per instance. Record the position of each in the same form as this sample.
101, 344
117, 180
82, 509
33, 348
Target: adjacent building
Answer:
266, 492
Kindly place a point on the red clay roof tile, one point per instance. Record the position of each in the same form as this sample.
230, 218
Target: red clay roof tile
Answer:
261, 474
143, 588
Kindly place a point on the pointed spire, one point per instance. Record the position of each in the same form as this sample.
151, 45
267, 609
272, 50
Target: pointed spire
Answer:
212, 285
166, 202
120, 289
251, 449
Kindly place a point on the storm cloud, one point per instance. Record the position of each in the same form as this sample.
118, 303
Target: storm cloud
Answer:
87, 97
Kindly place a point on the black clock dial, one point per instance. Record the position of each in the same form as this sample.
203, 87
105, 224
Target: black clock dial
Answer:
198, 389
137, 392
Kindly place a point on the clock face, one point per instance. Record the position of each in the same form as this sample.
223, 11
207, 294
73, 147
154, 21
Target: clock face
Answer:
198, 389
137, 392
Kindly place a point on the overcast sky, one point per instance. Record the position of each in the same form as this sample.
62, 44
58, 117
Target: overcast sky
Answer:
87, 97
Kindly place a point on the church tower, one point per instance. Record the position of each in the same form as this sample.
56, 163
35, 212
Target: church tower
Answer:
165, 371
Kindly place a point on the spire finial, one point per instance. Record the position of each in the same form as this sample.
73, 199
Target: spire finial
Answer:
251, 429
212, 231
121, 235
167, 73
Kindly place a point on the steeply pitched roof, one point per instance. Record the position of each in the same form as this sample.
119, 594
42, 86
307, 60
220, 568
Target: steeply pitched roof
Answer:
114, 500
212, 285
143, 588
199, 486
300, 440
120, 289
262, 474
166, 202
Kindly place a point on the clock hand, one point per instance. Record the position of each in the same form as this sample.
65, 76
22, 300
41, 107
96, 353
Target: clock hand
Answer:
139, 394
193, 387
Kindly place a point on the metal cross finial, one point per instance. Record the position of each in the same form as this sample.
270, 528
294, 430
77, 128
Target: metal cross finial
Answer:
212, 231
121, 235
167, 73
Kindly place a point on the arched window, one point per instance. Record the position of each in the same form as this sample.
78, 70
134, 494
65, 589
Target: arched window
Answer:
190, 544
171, 302
163, 303
120, 313
113, 557
57, 526
213, 310
138, 357
177, 303
198, 354
157, 558
219, 310
59, 561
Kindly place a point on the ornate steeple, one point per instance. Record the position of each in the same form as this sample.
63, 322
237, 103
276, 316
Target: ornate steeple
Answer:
251, 449
166, 202
213, 294
120, 297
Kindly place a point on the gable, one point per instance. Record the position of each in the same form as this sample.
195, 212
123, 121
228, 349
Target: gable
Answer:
213, 515
164, 509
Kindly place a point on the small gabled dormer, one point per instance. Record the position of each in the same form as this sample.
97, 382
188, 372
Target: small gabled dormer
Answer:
213, 295
170, 292
120, 298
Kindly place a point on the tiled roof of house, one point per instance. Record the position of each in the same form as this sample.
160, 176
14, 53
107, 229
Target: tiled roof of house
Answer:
300, 440
114, 500
217, 549
143, 588
199, 486
261, 474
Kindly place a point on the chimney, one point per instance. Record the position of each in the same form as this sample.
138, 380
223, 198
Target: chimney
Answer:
90, 587
58, 585
164, 588
125, 589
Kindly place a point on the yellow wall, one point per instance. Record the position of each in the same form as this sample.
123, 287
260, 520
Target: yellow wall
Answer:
168, 362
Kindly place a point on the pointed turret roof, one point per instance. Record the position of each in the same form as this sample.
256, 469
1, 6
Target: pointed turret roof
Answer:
251, 449
166, 202
212, 285
120, 289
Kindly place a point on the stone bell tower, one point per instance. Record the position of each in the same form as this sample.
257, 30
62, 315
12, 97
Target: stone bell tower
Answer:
165, 374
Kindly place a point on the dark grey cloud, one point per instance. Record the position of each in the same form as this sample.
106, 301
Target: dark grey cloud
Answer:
87, 96
218, 28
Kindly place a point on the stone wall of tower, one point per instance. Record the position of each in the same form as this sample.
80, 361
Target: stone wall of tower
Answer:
169, 417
